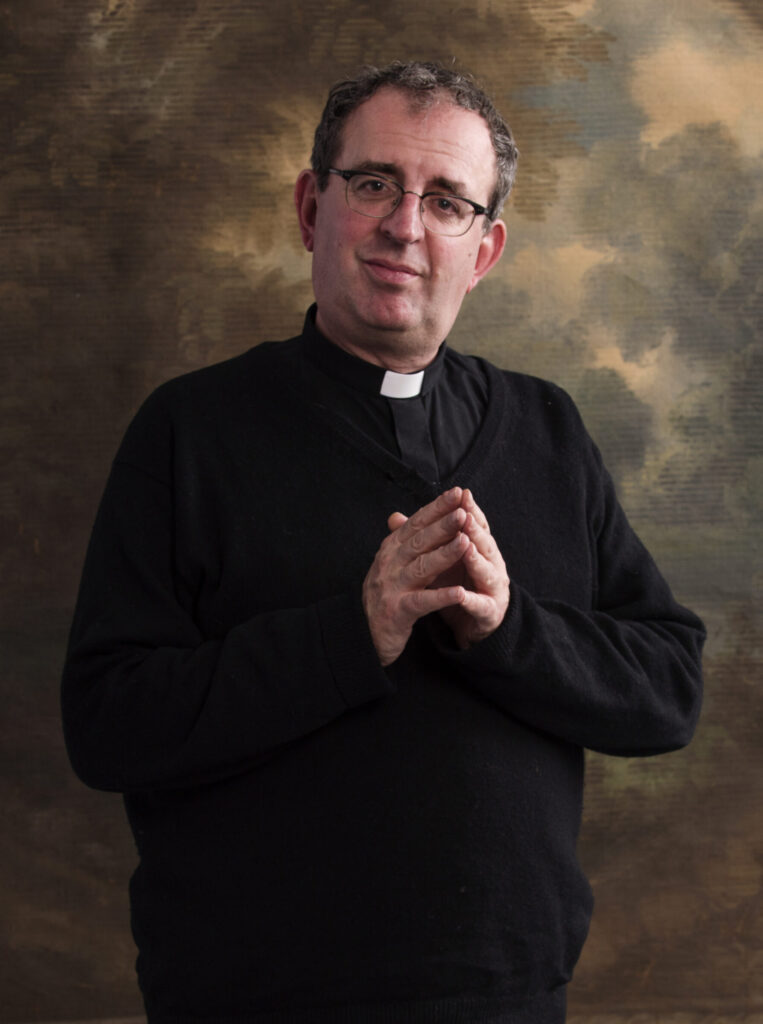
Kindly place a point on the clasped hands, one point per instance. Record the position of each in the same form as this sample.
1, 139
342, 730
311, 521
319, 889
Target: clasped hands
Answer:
441, 559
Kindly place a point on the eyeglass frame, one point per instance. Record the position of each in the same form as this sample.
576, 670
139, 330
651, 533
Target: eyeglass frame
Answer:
347, 176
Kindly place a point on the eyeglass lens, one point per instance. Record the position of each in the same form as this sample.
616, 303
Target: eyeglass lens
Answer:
377, 197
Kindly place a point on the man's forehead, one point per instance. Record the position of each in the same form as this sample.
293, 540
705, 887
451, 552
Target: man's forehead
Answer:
392, 126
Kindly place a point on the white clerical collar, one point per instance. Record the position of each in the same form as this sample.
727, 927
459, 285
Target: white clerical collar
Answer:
401, 385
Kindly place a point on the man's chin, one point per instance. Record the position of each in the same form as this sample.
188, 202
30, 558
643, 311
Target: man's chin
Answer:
389, 329
395, 317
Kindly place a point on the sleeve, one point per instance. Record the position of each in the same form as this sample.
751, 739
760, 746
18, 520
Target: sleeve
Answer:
622, 677
150, 702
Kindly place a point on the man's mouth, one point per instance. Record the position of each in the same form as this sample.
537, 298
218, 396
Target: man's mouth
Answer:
390, 271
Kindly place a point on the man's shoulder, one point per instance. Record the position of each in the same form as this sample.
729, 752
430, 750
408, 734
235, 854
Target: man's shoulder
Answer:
257, 379
239, 373
223, 399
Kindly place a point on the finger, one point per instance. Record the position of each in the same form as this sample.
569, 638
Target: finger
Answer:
426, 567
395, 521
483, 540
428, 514
486, 614
470, 505
488, 576
431, 537
396, 553
418, 603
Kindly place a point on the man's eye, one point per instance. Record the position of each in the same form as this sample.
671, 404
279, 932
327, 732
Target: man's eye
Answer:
446, 207
367, 186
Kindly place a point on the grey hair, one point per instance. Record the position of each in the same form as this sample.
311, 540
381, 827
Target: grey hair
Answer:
422, 81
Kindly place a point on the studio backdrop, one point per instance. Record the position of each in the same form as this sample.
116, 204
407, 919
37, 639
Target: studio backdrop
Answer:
149, 150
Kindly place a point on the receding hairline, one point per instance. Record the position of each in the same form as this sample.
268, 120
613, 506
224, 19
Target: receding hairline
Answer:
419, 102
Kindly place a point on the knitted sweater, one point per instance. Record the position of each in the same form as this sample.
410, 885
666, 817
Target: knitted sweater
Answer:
322, 839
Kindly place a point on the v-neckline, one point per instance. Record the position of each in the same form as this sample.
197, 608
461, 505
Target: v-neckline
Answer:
466, 472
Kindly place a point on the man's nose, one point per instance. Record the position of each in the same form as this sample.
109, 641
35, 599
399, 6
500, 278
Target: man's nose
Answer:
404, 223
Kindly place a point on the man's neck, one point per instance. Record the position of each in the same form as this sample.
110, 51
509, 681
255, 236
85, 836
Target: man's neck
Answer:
390, 352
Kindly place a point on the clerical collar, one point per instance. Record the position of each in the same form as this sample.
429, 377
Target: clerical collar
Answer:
366, 377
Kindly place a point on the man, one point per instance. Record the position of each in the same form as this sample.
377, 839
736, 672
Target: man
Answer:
351, 750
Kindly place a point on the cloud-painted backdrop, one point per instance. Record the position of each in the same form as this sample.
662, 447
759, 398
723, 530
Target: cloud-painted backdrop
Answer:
148, 156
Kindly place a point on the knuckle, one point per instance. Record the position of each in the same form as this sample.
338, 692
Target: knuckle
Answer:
417, 541
455, 520
419, 567
415, 519
385, 550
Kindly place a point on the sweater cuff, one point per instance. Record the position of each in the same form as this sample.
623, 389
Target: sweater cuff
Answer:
351, 655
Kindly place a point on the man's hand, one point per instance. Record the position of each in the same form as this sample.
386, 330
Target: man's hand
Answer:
482, 573
400, 586
441, 559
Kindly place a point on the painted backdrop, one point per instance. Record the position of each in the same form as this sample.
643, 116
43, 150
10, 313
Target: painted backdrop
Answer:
148, 153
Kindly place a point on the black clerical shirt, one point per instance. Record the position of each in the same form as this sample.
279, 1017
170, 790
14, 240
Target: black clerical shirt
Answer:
430, 431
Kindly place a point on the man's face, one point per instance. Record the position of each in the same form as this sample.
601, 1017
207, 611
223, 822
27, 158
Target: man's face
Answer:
387, 289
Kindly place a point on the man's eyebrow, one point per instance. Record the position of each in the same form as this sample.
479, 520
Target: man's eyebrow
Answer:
374, 165
453, 188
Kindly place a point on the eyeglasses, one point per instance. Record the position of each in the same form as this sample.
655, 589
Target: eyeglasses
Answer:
373, 195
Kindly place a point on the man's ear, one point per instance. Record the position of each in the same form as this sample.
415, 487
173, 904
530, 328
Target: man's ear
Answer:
490, 249
305, 199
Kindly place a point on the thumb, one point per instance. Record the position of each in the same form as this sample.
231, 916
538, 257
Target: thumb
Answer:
395, 521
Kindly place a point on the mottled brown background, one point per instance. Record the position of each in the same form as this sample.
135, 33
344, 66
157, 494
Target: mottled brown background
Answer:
148, 153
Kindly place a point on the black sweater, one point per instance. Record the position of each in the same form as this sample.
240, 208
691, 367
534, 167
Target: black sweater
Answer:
314, 831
